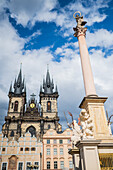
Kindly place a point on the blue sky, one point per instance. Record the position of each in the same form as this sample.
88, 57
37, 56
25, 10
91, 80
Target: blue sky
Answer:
37, 32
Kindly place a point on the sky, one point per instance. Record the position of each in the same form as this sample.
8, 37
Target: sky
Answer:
37, 32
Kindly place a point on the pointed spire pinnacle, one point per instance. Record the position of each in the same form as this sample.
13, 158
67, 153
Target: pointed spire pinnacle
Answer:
19, 84
48, 78
25, 88
19, 80
15, 83
10, 89
40, 88
56, 90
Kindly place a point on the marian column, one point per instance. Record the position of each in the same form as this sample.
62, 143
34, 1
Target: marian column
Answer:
93, 104
80, 33
96, 140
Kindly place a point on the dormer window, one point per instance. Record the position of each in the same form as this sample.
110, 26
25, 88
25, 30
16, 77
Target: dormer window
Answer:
16, 106
48, 106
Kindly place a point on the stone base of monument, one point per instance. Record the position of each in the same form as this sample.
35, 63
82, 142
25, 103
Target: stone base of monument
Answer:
92, 155
89, 158
86, 155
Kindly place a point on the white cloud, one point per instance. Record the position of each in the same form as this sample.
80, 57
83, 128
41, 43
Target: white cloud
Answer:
28, 14
67, 72
32, 11
102, 38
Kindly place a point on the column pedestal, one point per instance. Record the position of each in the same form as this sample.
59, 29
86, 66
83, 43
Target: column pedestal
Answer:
95, 108
89, 154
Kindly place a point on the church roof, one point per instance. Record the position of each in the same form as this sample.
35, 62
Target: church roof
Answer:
48, 85
19, 85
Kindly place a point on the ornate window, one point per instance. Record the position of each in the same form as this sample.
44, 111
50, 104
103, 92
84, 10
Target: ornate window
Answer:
48, 106
31, 130
48, 164
16, 106
61, 151
4, 166
61, 141
20, 166
61, 164
48, 151
28, 164
55, 164
36, 165
48, 141
55, 151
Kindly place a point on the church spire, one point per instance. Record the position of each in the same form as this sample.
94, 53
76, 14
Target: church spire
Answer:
19, 84
48, 84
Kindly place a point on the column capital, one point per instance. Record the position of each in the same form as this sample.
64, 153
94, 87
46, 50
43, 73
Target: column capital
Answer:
80, 31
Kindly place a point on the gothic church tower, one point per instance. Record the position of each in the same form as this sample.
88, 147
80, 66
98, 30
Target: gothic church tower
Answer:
17, 100
48, 100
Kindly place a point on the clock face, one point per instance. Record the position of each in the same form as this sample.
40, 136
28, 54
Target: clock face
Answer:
32, 105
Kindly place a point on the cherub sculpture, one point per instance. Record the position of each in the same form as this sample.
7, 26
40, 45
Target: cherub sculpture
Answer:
86, 124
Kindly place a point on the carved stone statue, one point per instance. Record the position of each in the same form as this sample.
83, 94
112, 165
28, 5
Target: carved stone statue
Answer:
76, 132
86, 124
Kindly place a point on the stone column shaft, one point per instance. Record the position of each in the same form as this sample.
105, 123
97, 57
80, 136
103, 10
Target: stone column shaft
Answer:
86, 67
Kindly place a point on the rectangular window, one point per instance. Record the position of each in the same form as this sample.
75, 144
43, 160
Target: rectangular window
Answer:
26, 149
33, 149
61, 164
28, 165
70, 164
20, 166
3, 149
48, 151
4, 166
68, 141
21, 149
36, 165
61, 141
55, 151
48, 141
55, 141
61, 151
55, 164
48, 164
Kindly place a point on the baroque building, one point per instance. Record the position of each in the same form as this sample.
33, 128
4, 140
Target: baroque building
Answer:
25, 133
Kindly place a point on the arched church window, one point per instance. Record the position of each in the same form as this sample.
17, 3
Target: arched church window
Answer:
12, 133
31, 130
48, 106
16, 106
12, 106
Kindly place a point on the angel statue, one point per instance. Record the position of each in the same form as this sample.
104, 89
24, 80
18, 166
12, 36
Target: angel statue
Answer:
75, 128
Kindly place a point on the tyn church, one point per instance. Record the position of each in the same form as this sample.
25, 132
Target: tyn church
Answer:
31, 136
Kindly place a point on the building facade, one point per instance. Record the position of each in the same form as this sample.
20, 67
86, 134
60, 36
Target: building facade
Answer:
27, 127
